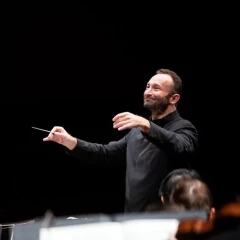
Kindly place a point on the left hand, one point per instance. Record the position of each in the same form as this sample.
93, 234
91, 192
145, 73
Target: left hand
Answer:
128, 120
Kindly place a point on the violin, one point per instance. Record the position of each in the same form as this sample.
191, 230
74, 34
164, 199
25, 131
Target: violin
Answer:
226, 218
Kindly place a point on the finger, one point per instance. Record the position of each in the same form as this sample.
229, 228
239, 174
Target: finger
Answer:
126, 126
120, 124
55, 136
49, 137
46, 139
123, 114
56, 129
121, 119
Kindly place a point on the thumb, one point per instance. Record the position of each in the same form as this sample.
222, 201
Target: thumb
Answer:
52, 136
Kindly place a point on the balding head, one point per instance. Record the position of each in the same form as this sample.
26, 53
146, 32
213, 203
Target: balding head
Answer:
193, 194
170, 181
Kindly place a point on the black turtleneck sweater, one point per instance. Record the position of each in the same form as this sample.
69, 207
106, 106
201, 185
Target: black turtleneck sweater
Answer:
170, 144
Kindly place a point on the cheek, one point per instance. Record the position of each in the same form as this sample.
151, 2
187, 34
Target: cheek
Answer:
163, 97
149, 92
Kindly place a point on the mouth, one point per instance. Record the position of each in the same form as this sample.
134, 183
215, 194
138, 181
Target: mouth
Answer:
148, 99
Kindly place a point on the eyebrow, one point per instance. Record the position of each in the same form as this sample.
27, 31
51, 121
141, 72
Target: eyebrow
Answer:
154, 84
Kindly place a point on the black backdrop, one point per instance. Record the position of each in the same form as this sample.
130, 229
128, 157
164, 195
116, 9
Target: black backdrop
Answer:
78, 68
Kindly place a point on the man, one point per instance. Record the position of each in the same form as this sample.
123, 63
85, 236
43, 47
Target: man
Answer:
152, 148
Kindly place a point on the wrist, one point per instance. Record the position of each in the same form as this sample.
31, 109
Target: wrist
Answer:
71, 143
145, 126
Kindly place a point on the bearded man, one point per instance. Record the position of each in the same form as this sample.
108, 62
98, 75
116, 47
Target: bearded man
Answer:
152, 148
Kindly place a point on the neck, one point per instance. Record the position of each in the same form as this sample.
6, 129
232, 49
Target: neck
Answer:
169, 110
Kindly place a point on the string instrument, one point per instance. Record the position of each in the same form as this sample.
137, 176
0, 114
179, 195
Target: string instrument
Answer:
226, 218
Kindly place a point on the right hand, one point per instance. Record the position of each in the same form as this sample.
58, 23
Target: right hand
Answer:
61, 136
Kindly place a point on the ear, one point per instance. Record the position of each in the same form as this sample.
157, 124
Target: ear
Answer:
212, 213
162, 199
174, 98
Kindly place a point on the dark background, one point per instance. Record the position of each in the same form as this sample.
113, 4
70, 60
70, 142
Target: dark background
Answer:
78, 68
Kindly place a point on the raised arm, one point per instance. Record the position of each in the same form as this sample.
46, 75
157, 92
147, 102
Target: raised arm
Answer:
91, 152
183, 139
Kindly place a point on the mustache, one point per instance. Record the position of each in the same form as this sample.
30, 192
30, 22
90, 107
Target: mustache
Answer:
146, 98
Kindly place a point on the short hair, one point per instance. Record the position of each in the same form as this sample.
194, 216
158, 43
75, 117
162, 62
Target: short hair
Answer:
192, 194
173, 177
177, 86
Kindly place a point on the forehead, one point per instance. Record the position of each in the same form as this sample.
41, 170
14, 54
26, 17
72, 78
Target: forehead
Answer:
161, 79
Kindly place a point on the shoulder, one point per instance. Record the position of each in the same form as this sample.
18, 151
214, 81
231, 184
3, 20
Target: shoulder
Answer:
186, 123
182, 123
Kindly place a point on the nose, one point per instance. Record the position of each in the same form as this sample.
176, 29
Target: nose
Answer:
148, 92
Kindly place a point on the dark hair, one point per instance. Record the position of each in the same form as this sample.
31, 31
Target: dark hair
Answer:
193, 194
177, 87
173, 177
